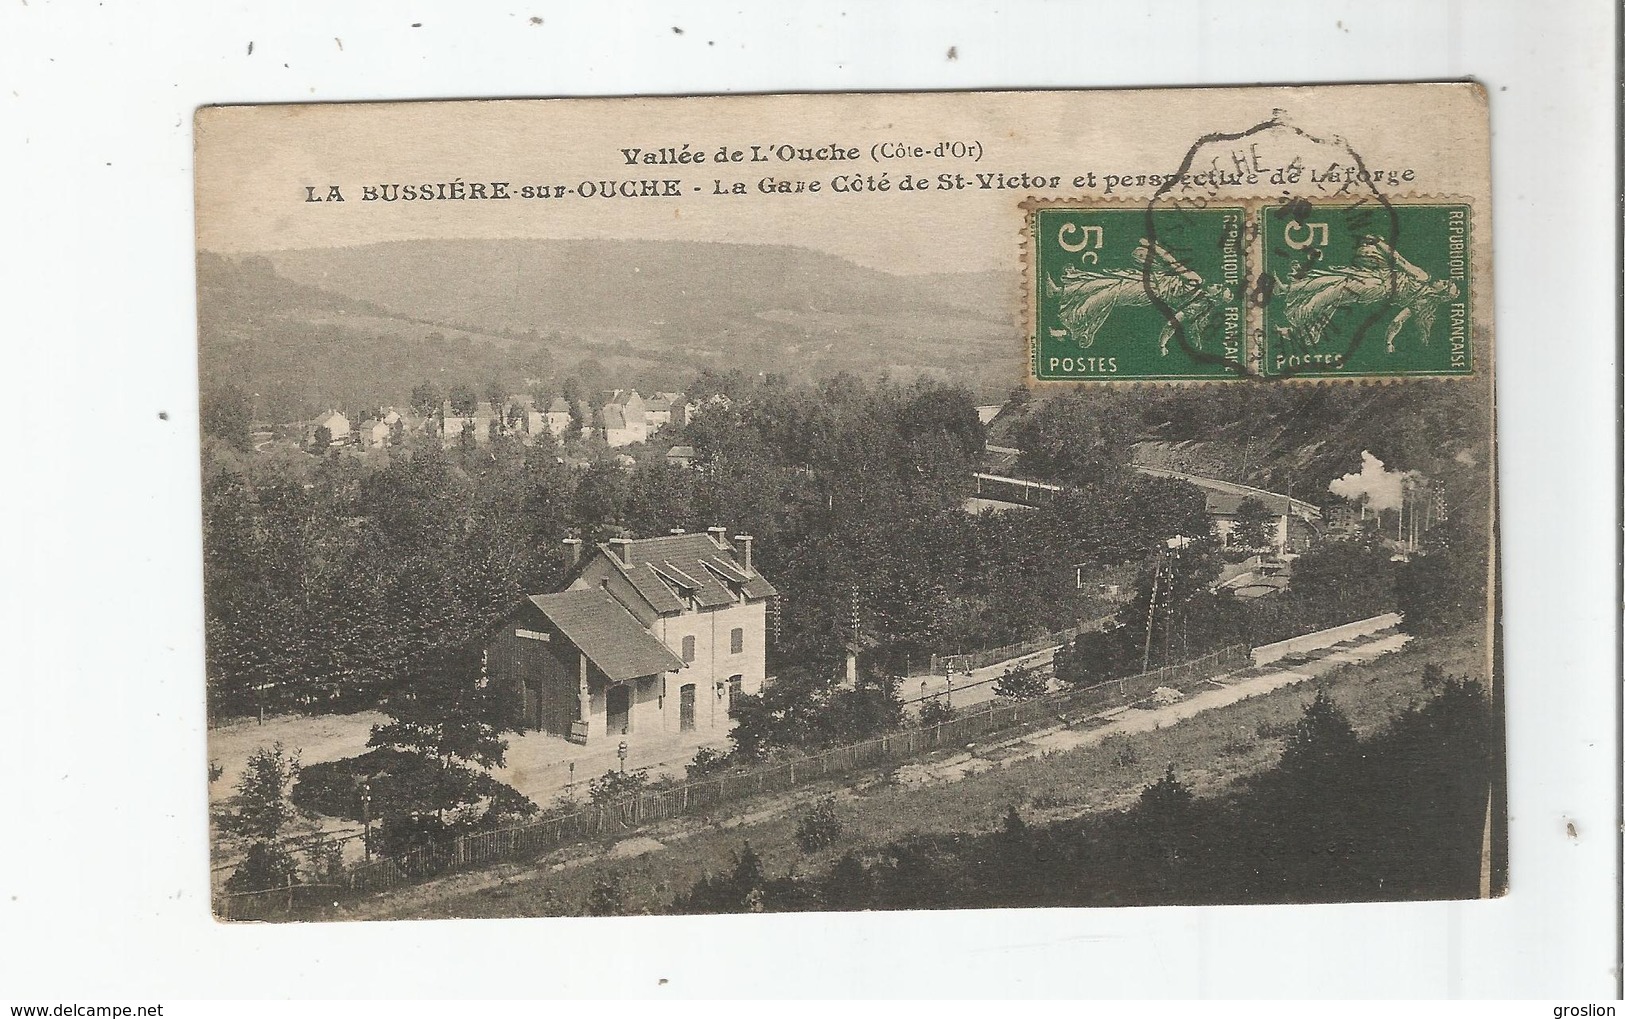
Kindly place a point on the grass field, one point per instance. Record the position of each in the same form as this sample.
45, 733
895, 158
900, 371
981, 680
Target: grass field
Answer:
1209, 752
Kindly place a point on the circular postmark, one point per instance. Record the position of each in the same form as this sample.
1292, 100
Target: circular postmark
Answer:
1341, 280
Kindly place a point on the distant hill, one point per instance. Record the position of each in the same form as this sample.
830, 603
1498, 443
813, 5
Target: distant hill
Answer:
367, 322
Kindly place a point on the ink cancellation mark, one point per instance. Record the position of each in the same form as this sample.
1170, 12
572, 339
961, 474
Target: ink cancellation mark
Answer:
1358, 290
1130, 294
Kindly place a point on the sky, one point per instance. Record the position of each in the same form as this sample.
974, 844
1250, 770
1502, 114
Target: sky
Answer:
255, 163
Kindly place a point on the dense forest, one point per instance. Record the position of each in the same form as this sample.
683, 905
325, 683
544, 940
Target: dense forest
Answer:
328, 575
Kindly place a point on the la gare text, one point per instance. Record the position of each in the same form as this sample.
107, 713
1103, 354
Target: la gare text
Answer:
844, 183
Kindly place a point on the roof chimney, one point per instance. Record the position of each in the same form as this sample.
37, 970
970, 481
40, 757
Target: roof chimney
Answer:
718, 535
619, 548
572, 549
744, 542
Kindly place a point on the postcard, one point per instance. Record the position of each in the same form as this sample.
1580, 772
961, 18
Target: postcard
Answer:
849, 502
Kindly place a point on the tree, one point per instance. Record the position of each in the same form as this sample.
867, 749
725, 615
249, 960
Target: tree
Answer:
600, 497
1072, 438
1253, 523
225, 414
606, 897
1444, 585
936, 712
322, 440
570, 390
464, 401
426, 398
1350, 578
1021, 682
613, 786
448, 721
1164, 822
1321, 747
497, 394
263, 813
742, 891
820, 826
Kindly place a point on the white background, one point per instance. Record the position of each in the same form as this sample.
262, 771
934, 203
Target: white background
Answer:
102, 790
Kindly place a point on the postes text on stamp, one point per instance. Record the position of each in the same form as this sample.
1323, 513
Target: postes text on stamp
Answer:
1135, 294
1365, 290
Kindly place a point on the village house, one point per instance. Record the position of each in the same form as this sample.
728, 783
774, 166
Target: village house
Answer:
337, 425
454, 424
681, 456
659, 409
651, 635
625, 418
1289, 526
558, 416
1345, 518
374, 433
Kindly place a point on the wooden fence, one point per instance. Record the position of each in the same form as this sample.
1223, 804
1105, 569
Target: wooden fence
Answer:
981, 659
702, 795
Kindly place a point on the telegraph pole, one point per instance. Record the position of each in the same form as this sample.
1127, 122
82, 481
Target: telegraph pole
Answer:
1151, 616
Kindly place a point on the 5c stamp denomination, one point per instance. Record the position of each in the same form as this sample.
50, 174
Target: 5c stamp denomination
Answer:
1366, 290
1131, 294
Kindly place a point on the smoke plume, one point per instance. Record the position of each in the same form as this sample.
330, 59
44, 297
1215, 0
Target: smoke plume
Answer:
1375, 485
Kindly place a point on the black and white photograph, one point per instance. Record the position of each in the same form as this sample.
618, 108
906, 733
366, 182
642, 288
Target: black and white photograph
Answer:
711, 504
712, 549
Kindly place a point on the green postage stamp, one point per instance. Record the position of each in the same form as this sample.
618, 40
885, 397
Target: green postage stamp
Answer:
1138, 293
1366, 289
1356, 290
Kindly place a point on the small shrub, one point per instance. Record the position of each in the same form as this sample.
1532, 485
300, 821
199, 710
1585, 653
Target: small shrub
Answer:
1014, 828
1121, 749
708, 761
326, 862
1432, 676
266, 865
615, 785
1020, 683
401, 834
1274, 730
606, 898
819, 827
936, 712
1237, 745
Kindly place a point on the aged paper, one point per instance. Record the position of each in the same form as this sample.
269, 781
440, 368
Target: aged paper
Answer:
858, 501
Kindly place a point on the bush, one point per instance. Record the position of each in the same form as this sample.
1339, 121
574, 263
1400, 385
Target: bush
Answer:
708, 761
1274, 730
396, 836
1021, 683
267, 865
606, 897
615, 785
936, 712
819, 827
1121, 749
396, 782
